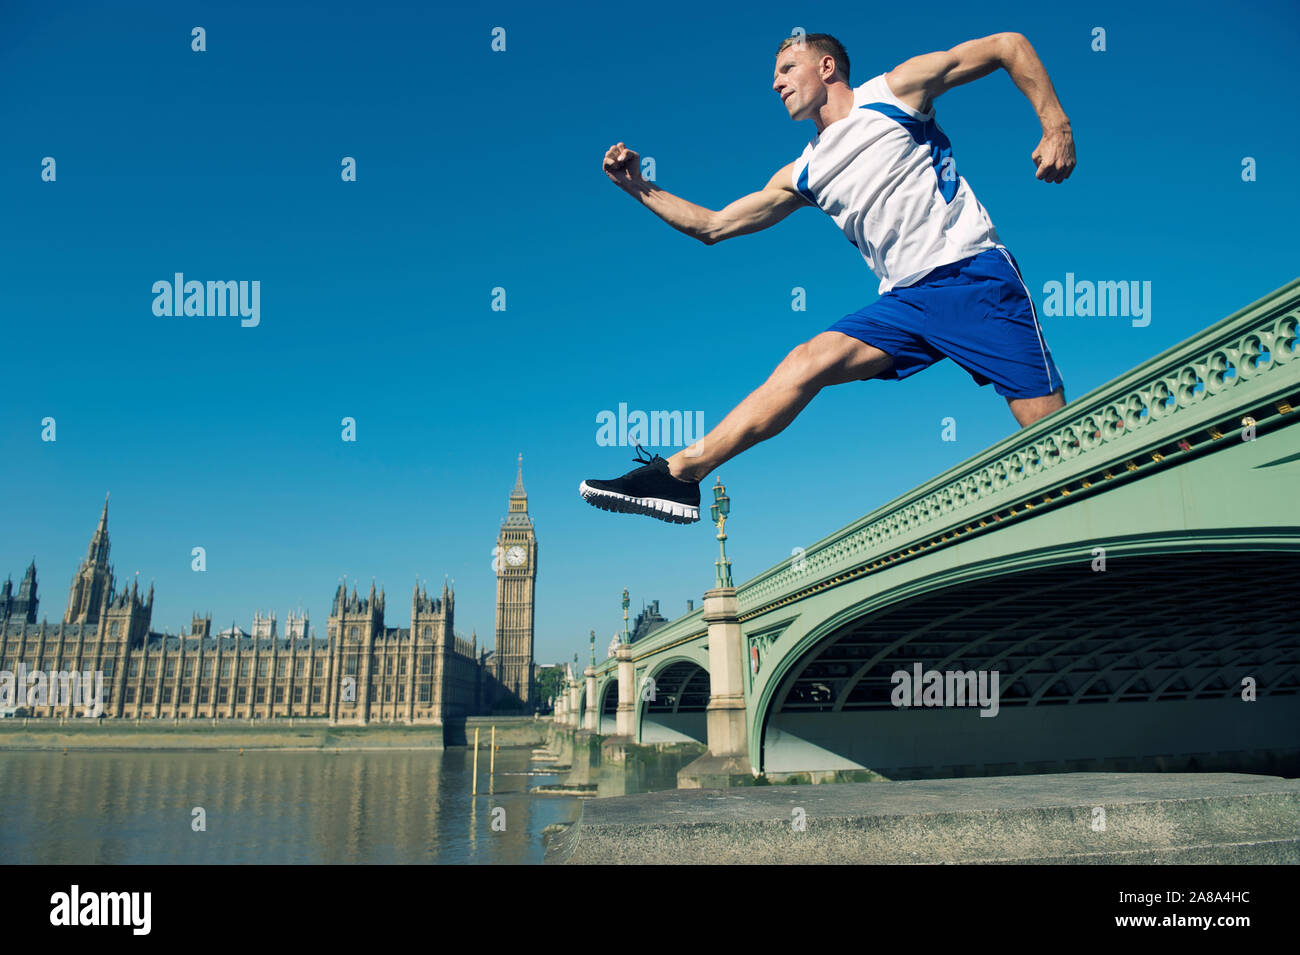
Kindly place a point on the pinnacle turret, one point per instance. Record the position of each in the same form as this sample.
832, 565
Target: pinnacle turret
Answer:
519, 480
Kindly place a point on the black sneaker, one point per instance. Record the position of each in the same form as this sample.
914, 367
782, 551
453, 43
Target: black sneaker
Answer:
649, 490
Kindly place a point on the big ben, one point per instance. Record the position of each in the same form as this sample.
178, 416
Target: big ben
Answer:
516, 566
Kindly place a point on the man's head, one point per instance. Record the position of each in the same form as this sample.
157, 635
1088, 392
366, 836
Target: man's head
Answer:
806, 65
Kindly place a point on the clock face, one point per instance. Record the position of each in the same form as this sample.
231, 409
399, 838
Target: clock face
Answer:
515, 556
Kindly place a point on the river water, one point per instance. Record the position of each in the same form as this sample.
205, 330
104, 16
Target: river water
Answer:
273, 807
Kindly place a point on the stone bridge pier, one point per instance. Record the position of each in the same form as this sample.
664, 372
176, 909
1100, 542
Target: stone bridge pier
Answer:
591, 717
727, 761
614, 748
578, 720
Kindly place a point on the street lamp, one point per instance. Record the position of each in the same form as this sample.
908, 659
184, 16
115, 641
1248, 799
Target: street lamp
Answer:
720, 508
627, 637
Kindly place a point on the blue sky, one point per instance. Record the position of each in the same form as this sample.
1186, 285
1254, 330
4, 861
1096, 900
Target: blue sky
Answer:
479, 169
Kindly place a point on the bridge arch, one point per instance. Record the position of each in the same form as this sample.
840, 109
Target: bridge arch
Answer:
607, 715
672, 708
1177, 626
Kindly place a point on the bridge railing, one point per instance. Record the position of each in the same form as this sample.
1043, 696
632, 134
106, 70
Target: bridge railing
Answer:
683, 628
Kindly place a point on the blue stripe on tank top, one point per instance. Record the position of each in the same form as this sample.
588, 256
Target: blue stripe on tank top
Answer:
927, 132
803, 186
807, 193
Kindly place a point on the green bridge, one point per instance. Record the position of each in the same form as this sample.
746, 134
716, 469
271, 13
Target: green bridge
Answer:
1128, 567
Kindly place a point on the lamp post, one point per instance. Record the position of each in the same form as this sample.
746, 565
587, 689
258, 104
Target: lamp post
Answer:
593, 648
720, 508
627, 637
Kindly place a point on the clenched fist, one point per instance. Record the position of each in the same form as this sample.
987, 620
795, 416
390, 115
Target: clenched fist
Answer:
1054, 156
622, 165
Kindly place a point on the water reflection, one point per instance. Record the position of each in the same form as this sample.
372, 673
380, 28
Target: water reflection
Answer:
272, 807
310, 807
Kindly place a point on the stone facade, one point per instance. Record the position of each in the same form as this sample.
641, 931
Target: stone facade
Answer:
648, 621
362, 672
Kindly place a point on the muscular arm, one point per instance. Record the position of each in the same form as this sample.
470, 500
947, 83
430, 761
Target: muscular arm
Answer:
750, 213
922, 78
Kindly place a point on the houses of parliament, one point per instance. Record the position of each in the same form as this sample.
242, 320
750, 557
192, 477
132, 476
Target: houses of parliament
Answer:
362, 672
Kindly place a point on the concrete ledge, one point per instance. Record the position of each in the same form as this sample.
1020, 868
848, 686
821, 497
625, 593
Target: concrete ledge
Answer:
715, 772
1209, 818
512, 731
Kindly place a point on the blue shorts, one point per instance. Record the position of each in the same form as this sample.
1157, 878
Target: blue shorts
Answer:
977, 312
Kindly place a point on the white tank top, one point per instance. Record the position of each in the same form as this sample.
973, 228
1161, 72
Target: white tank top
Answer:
886, 175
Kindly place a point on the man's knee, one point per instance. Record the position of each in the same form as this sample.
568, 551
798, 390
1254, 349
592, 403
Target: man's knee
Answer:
832, 358
1056, 399
1029, 410
804, 363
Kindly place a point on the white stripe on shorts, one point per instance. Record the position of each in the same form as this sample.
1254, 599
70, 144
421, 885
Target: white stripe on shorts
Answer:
1042, 345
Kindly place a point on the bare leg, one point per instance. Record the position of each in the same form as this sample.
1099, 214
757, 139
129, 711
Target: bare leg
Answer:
1029, 410
830, 358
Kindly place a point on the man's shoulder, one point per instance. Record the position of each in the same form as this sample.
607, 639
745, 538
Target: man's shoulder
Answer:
878, 90
871, 87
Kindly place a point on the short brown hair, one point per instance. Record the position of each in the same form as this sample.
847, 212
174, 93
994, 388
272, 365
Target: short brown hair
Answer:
826, 45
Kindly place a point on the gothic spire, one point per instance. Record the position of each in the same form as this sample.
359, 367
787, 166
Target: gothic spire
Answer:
97, 552
519, 480
517, 515
27, 589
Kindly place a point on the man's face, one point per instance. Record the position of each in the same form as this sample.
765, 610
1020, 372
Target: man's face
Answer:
798, 81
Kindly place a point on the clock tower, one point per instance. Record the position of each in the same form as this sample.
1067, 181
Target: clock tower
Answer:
516, 567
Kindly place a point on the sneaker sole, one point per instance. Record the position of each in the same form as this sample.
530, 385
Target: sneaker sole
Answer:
671, 512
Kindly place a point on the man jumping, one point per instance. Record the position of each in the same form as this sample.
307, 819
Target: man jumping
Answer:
882, 168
